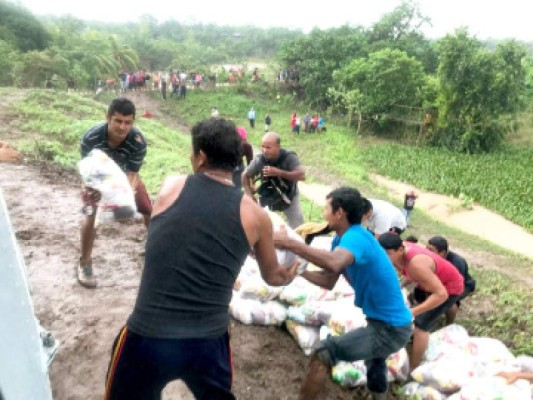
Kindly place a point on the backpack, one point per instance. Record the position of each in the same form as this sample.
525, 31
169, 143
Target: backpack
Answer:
274, 192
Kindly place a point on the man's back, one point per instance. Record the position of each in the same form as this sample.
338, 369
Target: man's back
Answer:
194, 252
462, 266
385, 216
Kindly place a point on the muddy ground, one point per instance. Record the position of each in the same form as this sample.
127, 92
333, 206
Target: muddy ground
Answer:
44, 207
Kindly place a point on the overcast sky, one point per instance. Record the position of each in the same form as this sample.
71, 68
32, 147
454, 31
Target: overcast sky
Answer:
492, 18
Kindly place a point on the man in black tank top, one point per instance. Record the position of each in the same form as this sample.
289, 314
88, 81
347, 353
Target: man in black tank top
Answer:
201, 231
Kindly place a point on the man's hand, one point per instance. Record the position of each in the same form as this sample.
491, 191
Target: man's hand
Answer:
271, 171
281, 237
508, 376
90, 197
293, 271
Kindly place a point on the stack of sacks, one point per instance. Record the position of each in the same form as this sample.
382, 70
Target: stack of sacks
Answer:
466, 366
253, 300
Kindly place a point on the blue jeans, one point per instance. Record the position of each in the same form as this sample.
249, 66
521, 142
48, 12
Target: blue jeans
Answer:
373, 344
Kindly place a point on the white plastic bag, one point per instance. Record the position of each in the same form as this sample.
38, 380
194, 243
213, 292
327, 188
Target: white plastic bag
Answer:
349, 374
256, 312
494, 388
285, 258
98, 171
306, 336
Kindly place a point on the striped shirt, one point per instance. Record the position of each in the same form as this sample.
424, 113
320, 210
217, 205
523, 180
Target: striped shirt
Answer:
129, 155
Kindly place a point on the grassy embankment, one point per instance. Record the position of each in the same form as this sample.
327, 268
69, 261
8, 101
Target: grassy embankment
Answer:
55, 122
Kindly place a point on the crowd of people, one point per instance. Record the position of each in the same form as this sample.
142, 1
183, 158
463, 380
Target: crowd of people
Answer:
201, 228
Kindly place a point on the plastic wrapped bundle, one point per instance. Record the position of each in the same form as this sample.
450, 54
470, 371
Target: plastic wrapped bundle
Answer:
398, 366
314, 313
494, 388
256, 312
346, 317
255, 288
447, 375
450, 339
305, 336
300, 291
349, 374
100, 172
421, 392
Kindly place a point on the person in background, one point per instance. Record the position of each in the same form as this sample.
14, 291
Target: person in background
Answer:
321, 126
247, 152
296, 127
268, 122
435, 277
293, 121
200, 234
357, 255
251, 117
307, 122
409, 204
439, 245
125, 145
275, 163
382, 216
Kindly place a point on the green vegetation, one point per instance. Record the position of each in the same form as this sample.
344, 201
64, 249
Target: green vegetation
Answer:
500, 181
510, 319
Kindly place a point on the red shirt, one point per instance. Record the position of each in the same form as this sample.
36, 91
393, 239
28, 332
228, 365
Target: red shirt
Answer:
450, 277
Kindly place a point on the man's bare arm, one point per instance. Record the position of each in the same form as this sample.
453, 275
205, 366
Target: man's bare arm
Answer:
246, 182
322, 278
421, 271
271, 271
332, 261
133, 180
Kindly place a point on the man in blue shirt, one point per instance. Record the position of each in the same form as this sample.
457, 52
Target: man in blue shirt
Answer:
358, 256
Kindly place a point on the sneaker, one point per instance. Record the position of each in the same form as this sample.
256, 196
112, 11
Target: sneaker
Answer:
85, 276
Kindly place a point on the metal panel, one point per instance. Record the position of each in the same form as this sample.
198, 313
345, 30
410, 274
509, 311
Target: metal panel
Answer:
23, 363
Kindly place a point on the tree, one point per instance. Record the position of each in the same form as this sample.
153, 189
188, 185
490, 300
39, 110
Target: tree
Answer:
11, 57
377, 85
21, 29
401, 29
316, 56
478, 89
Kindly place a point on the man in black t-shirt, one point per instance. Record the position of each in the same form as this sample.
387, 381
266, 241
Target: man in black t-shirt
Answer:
125, 145
277, 166
439, 245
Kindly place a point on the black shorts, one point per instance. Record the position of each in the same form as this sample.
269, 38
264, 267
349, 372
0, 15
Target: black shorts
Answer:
141, 367
427, 321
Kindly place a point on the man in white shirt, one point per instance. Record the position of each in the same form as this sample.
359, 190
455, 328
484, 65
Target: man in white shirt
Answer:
382, 216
